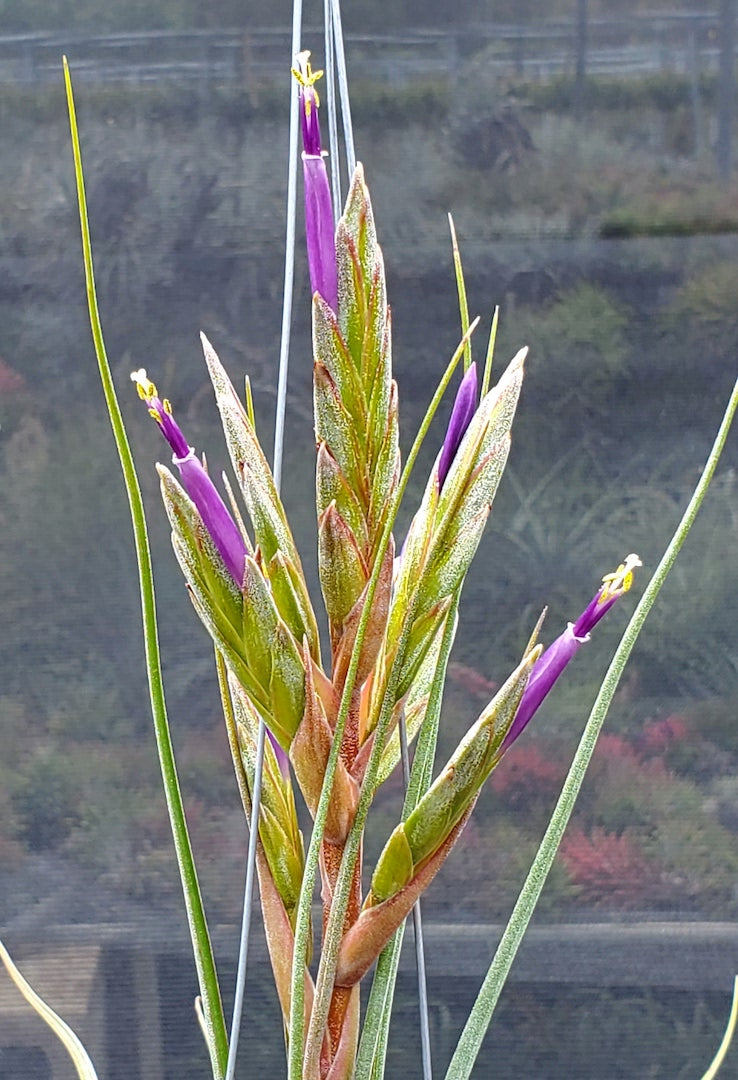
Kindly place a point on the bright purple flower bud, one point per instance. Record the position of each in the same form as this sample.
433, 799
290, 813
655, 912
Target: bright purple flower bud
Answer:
223, 530
319, 223
464, 408
553, 661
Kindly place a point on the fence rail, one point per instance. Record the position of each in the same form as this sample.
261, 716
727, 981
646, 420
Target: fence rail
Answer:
681, 42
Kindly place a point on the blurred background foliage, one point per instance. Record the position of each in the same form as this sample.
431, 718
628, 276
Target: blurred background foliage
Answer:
185, 14
608, 243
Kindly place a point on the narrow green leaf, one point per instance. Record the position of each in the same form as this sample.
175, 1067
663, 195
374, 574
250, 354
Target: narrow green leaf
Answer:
425, 631
461, 291
214, 1021
416, 705
489, 358
75, 1049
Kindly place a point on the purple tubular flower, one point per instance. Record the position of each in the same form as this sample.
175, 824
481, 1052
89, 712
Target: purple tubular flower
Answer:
223, 530
552, 662
464, 408
319, 221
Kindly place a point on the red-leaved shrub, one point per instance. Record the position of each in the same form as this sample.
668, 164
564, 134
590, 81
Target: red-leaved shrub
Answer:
608, 870
525, 774
659, 736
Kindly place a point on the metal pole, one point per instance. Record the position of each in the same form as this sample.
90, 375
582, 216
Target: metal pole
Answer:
726, 93
284, 351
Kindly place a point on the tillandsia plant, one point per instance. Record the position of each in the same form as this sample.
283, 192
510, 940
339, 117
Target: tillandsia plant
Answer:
334, 723
332, 716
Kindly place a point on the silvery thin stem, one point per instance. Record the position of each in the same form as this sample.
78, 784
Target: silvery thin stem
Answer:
330, 85
348, 132
425, 1047
289, 276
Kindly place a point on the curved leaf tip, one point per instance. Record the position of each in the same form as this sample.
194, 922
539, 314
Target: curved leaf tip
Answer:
80, 1057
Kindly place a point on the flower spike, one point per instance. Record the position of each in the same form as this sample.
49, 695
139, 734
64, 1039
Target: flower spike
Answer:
556, 657
319, 221
223, 530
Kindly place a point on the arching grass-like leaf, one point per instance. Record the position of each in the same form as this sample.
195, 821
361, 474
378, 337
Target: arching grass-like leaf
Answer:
80, 1057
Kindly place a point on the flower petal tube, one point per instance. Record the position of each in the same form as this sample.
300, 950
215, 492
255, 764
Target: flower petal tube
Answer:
223, 530
556, 657
319, 220
465, 405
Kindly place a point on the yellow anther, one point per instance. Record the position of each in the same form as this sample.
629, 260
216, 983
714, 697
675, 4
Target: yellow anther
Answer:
620, 580
307, 78
144, 385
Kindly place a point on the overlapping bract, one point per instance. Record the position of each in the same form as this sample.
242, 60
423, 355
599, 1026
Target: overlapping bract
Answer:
356, 432
441, 542
419, 845
255, 627
279, 831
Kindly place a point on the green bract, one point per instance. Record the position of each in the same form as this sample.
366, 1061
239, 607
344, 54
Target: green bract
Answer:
452, 793
272, 534
278, 828
355, 415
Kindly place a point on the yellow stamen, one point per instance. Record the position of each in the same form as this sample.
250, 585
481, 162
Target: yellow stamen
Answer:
620, 580
307, 78
144, 385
